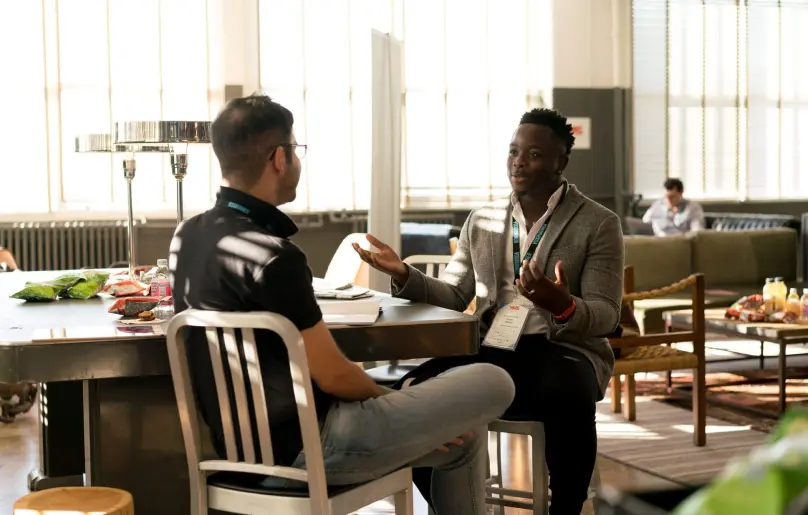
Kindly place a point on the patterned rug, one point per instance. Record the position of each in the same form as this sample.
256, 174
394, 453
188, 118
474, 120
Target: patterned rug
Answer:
729, 393
660, 442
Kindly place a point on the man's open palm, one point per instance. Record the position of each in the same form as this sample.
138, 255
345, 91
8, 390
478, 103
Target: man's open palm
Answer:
385, 259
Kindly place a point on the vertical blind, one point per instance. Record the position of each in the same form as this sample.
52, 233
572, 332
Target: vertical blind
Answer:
472, 67
721, 97
75, 67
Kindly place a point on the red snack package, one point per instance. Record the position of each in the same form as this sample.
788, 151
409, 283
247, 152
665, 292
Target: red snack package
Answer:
131, 306
783, 317
138, 270
749, 315
125, 288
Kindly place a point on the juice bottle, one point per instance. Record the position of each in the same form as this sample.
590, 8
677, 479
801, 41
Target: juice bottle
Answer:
768, 296
804, 304
793, 303
780, 294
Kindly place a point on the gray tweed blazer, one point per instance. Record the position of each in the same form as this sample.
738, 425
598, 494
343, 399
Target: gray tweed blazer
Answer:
586, 236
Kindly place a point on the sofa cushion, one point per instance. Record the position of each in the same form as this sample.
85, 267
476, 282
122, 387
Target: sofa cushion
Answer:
745, 257
658, 261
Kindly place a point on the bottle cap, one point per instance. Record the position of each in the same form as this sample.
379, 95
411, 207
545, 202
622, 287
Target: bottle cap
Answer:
769, 280
778, 279
162, 262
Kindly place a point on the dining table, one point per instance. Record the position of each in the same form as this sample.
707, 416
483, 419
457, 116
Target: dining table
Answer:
106, 405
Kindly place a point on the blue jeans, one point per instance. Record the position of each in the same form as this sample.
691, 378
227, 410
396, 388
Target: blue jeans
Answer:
365, 440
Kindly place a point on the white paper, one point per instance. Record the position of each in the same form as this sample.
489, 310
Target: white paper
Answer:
350, 312
507, 326
325, 290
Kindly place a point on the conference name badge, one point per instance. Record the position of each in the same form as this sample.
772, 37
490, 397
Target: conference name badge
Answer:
507, 326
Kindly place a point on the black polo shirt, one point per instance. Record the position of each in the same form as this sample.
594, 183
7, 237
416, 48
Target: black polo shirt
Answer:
238, 257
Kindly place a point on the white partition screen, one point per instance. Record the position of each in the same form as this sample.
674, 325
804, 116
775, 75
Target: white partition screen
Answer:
384, 217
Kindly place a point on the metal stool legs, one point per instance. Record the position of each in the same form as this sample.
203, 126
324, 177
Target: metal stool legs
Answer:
539, 499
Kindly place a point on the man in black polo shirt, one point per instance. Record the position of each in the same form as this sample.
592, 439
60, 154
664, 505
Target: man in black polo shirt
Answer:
238, 257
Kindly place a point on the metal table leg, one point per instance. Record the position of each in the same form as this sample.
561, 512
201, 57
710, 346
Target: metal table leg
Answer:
60, 437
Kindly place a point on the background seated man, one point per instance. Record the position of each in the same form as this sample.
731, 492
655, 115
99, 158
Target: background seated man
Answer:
547, 268
673, 214
238, 257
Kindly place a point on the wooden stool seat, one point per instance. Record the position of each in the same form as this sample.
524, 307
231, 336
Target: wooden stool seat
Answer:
76, 501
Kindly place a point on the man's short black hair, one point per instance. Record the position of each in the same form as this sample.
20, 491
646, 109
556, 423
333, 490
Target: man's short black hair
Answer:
246, 132
674, 184
553, 120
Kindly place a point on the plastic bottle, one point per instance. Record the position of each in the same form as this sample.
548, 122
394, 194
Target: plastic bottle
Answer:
780, 293
768, 296
161, 284
804, 304
793, 303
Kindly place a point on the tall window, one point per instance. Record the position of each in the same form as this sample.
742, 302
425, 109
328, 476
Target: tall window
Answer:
472, 67
76, 67
721, 97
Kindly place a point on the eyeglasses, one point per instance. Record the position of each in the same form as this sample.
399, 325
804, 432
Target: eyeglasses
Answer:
299, 149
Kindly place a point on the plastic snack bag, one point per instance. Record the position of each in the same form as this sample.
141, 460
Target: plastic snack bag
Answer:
65, 280
83, 290
131, 306
125, 288
36, 293
95, 276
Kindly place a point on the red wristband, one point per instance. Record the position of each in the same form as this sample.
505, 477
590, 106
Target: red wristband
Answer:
567, 312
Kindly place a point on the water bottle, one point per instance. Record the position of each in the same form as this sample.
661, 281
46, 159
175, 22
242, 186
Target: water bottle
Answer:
160, 284
161, 287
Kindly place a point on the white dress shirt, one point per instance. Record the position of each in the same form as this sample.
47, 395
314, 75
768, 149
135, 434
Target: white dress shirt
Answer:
666, 222
535, 324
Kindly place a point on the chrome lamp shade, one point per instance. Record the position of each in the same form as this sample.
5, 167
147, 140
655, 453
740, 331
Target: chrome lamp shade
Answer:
162, 132
148, 137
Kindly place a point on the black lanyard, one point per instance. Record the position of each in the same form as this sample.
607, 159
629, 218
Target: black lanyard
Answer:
517, 257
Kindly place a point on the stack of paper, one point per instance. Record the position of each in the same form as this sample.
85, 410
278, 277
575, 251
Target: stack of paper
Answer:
350, 312
325, 290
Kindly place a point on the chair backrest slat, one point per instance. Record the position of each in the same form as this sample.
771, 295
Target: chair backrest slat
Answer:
431, 263
239, 393
221, 391
258, 396
241, 356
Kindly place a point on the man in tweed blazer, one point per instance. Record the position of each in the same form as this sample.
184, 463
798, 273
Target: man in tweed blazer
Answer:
566, 267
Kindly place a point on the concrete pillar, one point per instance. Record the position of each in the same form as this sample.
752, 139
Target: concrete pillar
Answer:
592, 85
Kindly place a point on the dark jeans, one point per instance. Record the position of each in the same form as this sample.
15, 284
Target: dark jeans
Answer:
554, 385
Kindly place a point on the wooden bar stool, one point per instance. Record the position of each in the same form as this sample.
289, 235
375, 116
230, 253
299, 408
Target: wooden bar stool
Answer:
76, 501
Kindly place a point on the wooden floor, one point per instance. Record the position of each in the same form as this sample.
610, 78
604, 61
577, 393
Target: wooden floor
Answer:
18, 455
19, 450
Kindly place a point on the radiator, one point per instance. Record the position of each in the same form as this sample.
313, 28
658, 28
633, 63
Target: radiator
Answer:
66, 245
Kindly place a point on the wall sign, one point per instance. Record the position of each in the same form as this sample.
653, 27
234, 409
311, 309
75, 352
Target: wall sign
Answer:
582, 130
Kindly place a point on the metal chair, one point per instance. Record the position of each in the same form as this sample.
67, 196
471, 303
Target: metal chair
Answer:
390, 374
539, 499
212, 484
